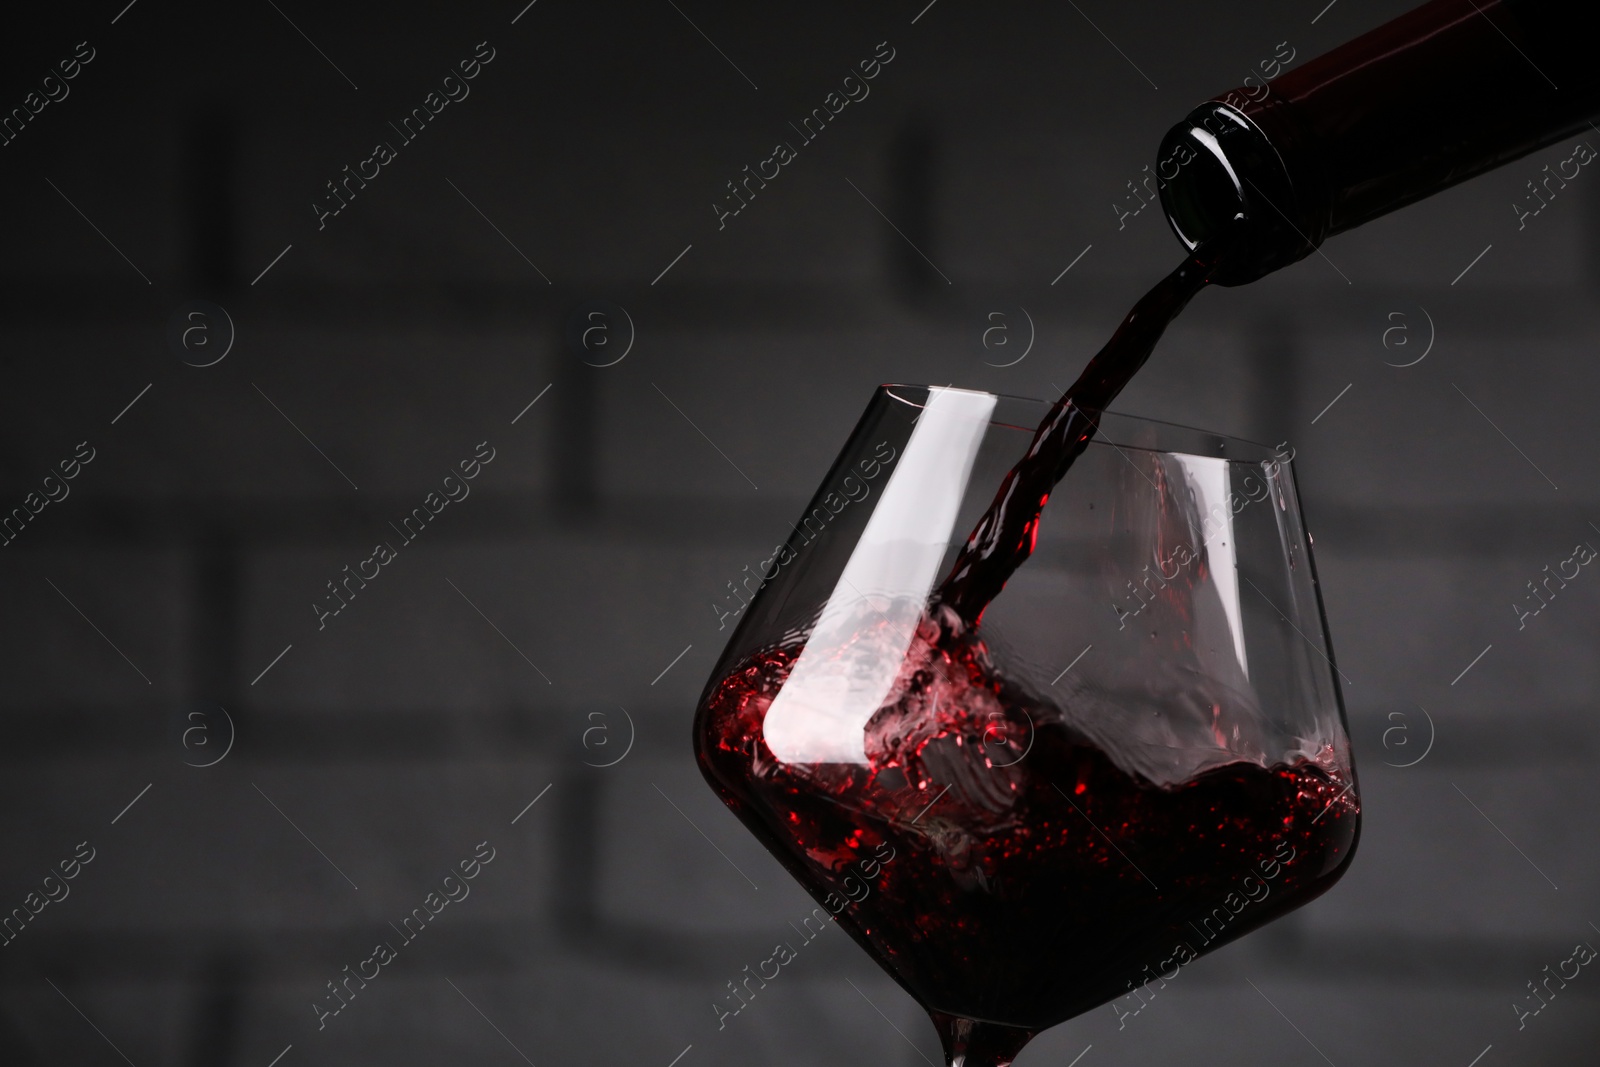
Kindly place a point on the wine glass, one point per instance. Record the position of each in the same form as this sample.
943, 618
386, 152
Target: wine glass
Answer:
1136, 755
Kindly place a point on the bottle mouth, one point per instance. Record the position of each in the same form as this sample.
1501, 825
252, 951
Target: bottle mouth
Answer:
1217, 165
1211, 193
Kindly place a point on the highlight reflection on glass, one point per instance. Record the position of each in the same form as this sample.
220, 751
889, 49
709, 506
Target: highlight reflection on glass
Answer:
819, 714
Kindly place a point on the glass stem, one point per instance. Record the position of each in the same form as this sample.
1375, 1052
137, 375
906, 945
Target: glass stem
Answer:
969, 1043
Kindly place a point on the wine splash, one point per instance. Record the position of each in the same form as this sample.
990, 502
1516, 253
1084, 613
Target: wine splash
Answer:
1025, 889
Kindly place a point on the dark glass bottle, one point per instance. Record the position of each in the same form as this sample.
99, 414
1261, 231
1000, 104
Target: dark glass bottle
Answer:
1437, 96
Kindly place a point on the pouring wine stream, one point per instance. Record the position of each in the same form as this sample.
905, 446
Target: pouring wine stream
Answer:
1004, 538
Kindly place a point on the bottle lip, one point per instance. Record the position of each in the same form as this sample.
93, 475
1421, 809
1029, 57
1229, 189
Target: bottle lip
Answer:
1218, 164
1209, 222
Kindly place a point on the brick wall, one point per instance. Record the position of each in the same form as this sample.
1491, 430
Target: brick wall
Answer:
571, 591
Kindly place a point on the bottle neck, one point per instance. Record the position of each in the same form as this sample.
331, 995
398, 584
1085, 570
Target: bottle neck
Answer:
1220, 170
1437, 96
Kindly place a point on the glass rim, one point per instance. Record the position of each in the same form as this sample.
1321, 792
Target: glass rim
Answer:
1120, 429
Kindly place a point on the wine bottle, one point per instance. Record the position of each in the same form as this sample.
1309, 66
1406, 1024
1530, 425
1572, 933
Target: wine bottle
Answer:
1439, 95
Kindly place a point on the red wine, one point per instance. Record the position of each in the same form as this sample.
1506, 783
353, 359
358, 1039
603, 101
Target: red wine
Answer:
1035, 874
1004, 538
1031, 877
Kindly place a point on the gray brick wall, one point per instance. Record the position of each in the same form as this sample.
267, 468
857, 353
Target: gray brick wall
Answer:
469, 678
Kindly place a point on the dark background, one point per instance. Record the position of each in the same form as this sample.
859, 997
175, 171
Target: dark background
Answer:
493, 660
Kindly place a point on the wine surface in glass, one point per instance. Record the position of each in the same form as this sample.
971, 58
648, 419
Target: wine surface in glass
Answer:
1029, 877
